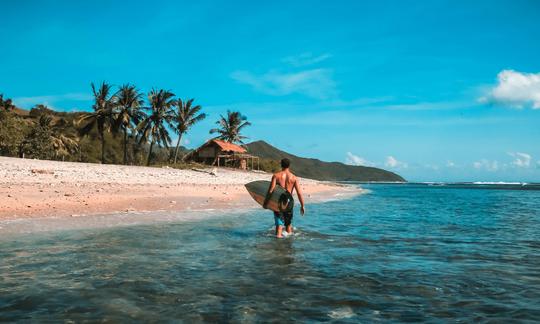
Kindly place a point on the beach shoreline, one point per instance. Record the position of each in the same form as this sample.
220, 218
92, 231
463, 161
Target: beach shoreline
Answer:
41, 189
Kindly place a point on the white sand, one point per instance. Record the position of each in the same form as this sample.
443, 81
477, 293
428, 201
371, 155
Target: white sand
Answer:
38, 188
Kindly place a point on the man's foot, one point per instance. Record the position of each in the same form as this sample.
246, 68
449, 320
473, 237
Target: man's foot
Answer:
279, 231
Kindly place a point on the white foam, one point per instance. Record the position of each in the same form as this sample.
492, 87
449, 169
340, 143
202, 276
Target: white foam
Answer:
341, 313
498, 183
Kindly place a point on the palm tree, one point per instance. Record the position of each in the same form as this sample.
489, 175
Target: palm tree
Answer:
102, 117
128, 111
230, 127
153, 127
185, 117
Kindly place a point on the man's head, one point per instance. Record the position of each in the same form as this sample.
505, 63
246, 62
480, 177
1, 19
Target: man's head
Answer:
285, 163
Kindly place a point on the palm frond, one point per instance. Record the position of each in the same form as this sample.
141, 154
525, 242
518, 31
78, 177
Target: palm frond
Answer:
231, 126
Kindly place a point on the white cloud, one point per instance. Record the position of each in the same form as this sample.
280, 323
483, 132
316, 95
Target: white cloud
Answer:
450, 164
356, 160
50, 100
305, 59
516, 89
433, 167
521, 160
485, 164
392, 162
314, 83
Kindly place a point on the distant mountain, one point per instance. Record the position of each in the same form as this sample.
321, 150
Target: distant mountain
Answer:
320, 170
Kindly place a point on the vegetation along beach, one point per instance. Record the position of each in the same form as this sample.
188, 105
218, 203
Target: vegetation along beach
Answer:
120, 129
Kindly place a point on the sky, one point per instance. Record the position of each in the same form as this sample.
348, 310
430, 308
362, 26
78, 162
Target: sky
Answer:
432, 90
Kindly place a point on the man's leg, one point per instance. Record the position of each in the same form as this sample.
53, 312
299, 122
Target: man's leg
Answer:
278, 220
288, 222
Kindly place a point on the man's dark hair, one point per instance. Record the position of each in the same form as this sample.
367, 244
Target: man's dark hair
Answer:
285, 163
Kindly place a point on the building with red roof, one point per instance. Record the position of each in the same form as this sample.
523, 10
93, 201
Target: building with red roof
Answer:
221, 153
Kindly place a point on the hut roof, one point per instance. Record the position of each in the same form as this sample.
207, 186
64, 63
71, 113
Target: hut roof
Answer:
226, 146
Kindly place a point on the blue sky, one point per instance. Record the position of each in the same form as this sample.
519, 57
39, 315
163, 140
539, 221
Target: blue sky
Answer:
433, 90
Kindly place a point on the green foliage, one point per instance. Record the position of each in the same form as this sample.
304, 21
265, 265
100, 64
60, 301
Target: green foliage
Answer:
153, 128
39, 110
6, 104
12, 133
184, 118
37, 144
90, 149
102, 118
64, 138
230, 127
117, 130
128, 113
269, 165
55, 135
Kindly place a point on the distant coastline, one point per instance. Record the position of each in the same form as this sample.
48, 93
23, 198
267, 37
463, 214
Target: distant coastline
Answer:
321, 170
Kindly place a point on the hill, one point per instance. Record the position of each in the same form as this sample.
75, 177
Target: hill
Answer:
320, 170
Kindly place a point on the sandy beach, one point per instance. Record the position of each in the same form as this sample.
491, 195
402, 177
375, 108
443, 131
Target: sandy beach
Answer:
41, 189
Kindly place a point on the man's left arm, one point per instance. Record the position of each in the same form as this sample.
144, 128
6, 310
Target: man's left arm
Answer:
300, 197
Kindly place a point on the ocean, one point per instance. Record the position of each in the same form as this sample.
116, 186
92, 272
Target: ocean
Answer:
397, 253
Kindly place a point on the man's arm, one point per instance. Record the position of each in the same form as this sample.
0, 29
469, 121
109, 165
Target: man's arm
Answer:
270, 190
300, 197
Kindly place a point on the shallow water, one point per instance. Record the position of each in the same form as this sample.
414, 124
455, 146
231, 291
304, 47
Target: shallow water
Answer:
398, 253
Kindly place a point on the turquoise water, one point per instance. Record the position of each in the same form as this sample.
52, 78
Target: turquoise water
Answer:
398, 253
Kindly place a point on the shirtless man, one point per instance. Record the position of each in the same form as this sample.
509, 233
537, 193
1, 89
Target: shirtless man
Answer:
289, 182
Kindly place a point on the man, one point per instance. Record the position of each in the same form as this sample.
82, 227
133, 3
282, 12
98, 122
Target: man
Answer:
289, 182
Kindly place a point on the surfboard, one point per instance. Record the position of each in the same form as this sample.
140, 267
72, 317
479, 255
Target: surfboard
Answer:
280, 200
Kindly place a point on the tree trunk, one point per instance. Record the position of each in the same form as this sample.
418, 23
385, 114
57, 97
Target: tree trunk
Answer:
136, 156
102, 148
149, 153
176, 149
125, 146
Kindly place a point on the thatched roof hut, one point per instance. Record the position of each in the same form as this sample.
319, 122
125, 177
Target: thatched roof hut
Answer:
221, 153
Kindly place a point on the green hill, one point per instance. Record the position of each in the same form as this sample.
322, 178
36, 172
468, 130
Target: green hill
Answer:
320, 170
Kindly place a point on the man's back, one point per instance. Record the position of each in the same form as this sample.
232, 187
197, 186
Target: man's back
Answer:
286, 179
